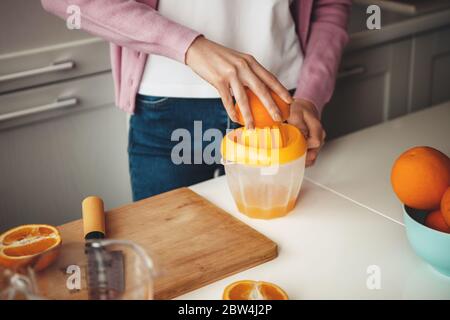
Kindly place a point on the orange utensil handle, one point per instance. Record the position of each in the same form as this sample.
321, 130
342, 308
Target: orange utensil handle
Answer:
93, 218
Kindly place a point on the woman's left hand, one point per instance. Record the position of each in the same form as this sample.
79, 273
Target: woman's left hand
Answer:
304, 115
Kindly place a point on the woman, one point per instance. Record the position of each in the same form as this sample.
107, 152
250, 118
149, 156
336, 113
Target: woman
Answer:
191, 59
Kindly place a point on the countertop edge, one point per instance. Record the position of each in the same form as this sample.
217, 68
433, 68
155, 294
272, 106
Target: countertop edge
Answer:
406, 28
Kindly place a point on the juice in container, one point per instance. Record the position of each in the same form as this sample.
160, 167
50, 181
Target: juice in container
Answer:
264, 169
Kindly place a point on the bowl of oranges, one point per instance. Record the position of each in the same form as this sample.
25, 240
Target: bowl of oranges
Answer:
420, 178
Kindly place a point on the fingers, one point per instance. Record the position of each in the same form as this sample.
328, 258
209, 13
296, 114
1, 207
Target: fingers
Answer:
269, 79
296, 119
261, 90
316, 135
308, 122
315, 140
311, 157
241, 98
224, 68
227, 100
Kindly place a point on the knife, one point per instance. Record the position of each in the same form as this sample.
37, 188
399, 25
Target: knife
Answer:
105, 268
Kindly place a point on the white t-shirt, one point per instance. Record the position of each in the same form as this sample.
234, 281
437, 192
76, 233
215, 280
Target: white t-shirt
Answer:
262, 28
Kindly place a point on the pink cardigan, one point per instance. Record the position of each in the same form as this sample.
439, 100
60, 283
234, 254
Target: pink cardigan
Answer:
135, 29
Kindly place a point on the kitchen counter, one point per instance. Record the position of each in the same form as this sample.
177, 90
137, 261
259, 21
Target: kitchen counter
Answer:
393, 26
333, 240
410, 7
358, 165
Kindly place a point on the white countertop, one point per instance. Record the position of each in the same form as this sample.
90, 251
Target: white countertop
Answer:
327, 243
359, 165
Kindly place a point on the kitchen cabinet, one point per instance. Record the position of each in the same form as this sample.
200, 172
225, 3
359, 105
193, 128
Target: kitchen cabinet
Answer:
430, 69
61, 137
386, 73
37, 48
25, 26
53, 63
51, 160
372, 87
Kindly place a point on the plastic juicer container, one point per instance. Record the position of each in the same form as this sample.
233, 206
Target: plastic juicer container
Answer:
264, 169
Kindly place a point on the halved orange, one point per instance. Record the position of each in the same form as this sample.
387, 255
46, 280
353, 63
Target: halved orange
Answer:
253, 290
35, 245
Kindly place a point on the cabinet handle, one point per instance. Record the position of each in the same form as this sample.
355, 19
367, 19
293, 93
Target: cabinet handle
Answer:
33, 72
58, 104
351, 72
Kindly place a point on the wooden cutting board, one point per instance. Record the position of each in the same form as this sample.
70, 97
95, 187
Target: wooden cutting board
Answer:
192, 241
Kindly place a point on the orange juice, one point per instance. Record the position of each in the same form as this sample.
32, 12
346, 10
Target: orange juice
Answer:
256, 205
269, 213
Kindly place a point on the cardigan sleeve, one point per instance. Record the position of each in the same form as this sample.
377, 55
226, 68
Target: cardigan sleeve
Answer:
129, 24
322, 53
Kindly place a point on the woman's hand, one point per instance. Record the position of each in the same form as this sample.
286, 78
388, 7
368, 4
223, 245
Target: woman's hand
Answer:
304, 115
227, 69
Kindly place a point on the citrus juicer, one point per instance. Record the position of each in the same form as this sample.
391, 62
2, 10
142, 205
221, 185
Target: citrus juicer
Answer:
264, 168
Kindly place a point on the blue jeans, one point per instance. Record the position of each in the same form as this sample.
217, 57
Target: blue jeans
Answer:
152, 170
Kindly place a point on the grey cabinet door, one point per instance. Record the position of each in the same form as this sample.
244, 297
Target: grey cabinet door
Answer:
52, 64
36, 48
430, 69
372, 87
25, 25
50, 161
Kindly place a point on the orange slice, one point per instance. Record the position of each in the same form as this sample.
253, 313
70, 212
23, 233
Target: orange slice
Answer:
253, 290
35, 245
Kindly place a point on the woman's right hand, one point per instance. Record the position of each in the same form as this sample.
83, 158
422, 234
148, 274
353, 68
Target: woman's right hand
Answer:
227, 69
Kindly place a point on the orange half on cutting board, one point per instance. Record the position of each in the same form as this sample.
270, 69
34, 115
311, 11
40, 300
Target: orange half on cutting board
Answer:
35, 245
253, 290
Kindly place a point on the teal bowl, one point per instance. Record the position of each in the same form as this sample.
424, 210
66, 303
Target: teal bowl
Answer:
431, 245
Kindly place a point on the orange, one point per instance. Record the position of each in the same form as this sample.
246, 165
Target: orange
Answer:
420, 177
445, 206
35, 245
253, 290
261, 117
435, 220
